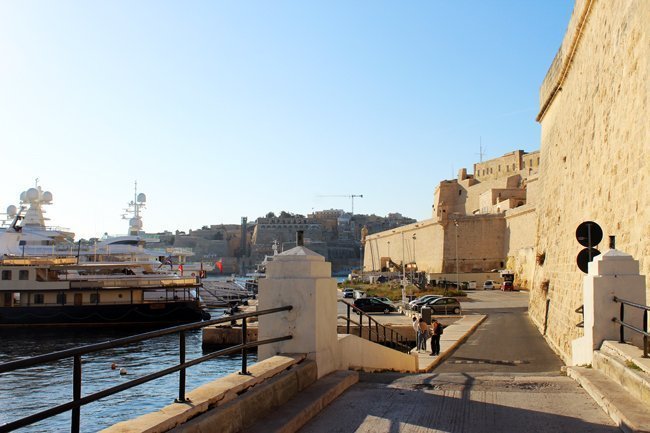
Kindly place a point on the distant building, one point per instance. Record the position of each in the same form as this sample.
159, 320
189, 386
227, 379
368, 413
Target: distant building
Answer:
478, 224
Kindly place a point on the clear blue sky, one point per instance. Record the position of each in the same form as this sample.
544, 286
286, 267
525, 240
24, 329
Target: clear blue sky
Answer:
223, 109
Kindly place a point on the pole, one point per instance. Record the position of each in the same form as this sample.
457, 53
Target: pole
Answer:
360, 260
457, 283
403, 274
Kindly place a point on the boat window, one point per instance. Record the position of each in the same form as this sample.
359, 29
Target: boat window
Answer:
39, 298
6, 275
61, 298
23, 275
41, 274
94, 298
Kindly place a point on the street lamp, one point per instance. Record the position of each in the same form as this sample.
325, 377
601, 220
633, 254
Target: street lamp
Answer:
457, 283
403, 273
414, 261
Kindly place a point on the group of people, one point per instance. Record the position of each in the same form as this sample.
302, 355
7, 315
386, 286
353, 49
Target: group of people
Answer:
423, 331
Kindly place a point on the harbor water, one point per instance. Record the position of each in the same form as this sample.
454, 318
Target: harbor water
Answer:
31, 390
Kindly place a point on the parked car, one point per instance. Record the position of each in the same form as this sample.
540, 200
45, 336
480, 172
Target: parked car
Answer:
384, 299
348, 293
421, 300
442, 306
373, 305
488, 285
507, 286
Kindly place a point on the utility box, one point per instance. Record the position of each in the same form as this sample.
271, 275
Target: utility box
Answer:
426, 314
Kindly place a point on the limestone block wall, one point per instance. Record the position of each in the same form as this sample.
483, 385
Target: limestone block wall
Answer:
496, 168
595, 151
480, 243
519, 242
398, 244
464, 197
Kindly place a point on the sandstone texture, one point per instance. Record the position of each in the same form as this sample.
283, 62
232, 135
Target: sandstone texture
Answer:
595, 154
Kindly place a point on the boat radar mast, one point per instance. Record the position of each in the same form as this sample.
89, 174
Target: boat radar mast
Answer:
132, 213
33, 199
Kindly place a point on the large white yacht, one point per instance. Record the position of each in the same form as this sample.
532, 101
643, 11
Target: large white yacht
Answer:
47, 279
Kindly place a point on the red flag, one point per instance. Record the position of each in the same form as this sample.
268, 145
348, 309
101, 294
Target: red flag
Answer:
180, 268
219, 265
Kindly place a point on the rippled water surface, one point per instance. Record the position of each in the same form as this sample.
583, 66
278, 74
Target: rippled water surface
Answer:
30, 390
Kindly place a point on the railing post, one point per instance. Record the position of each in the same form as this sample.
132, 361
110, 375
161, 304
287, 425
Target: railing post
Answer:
645, 337
181, 373
622, 330
348, 322
244, 340
360, 324
76, 394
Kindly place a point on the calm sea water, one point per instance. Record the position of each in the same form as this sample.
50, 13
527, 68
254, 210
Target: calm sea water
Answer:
30, 390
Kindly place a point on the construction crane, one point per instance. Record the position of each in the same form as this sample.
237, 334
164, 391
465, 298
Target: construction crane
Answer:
350, 196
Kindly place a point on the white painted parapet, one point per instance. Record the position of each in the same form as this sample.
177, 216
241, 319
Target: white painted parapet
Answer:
613, 273
303, 279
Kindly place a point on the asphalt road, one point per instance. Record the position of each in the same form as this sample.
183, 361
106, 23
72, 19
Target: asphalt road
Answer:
504, 378
507, 342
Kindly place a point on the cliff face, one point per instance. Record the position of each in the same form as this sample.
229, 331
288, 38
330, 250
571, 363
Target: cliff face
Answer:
595, 153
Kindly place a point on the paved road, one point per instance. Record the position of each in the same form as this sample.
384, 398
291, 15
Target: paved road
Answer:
503, 379
507, 342
427, 403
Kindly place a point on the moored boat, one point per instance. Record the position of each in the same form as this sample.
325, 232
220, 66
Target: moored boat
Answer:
46, 291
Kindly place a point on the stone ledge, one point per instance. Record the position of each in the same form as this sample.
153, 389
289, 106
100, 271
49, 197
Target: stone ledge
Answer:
307, 404
256, 403
627, 352
636, 383
206, 397
630, 414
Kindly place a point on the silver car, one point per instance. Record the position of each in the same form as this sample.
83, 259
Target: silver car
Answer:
443, 306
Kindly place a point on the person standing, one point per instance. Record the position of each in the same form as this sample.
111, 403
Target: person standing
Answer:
435, 338
416, 328
424, 334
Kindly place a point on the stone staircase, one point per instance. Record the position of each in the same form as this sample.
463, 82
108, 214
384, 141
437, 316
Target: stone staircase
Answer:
619, 381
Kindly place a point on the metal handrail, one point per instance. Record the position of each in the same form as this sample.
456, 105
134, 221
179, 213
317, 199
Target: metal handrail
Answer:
395, 338
76, 353
623, 324
581, 310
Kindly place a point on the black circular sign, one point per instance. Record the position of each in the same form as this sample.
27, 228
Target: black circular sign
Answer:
583, 258
587, 229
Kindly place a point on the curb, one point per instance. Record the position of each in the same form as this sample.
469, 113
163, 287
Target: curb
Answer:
454, 346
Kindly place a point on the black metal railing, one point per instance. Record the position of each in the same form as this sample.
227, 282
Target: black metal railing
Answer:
581, 310
384, 335
78, 401
623, 324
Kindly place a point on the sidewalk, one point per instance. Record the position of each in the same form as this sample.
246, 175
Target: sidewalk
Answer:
453, 336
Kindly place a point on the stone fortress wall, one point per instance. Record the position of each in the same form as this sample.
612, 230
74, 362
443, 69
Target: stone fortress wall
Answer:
595, 154
477, 226
508, 164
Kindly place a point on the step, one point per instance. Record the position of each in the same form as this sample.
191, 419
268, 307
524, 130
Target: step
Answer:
625, 373
629, 413
294, 414
627, 352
